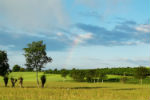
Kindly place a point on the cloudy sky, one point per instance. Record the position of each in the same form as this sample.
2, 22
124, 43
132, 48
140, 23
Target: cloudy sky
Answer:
78, 33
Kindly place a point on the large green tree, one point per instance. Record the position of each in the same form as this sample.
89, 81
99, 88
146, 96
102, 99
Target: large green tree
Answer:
36, 56
4, 66
141, 73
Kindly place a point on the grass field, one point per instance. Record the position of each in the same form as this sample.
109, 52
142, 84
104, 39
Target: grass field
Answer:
31, 76
56, 89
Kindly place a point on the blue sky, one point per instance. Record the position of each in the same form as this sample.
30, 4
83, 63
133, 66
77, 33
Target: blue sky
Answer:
78, 33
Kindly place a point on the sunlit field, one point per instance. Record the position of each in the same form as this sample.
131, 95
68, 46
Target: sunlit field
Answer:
56, 89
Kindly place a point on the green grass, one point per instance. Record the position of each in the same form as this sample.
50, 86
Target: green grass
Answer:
56, 89
76, 91
31, 76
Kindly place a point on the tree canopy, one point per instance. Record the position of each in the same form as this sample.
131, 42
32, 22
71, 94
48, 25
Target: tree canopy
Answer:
16, 68
36, 56
4, 66
141, 73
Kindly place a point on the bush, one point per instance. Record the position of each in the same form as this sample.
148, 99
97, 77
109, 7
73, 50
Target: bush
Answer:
6, 80
43, 80
113, 80
20, 81
13, 81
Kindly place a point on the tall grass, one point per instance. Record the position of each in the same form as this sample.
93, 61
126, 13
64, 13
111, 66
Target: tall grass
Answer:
76, 91
56, 89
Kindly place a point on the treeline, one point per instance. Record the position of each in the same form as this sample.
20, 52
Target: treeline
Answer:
18, 68
127, 71
99, 75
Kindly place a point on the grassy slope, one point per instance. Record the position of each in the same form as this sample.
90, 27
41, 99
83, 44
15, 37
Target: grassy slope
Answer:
31, 76
76, 91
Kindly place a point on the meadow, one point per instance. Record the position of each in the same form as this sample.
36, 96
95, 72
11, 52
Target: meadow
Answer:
56, 89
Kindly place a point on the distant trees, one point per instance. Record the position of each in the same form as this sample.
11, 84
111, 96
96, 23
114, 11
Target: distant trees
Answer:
16, 68
102, 76
36, 56
141, 73
78, 75
98, 75
4, 66
64, 73
56, 71
22, 69
91, 75
53, 71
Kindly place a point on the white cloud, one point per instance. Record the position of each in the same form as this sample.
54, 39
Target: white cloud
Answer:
81, 38
85, 36
143, 28
59, 34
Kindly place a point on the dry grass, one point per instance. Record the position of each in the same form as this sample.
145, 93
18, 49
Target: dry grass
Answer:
76, 91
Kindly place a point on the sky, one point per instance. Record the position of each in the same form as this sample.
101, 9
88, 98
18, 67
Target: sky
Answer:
78, 33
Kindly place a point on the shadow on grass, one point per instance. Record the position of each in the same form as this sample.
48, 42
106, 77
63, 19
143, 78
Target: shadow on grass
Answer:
31, 86
87, 87
125, 89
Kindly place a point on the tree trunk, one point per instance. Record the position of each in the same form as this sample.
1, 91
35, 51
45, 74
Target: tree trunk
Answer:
102, 81
37, 78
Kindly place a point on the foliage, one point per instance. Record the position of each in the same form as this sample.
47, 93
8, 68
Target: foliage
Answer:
6, 80
78, 75
102, 76
16, 68
36, 56
22, 69
90, 75
141, 73
64, 73
4, 66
